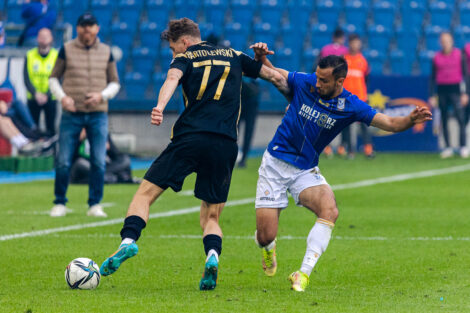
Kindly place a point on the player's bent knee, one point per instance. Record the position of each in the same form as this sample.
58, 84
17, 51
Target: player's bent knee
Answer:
265, 236
331, 214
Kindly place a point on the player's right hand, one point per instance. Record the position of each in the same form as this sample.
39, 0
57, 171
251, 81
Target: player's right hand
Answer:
156, 116
261, 49
68, 104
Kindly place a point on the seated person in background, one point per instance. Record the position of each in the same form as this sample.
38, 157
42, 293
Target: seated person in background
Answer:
118, 164
9, 131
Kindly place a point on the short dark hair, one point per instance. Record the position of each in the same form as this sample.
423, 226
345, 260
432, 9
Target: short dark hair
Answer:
177, 28
339, 65
338, 33
354, 37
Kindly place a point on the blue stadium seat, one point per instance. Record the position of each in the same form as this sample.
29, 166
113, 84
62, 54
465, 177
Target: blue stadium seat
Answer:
384, 13
292, 37
122, 36
441, 14
103, 11
461, 35
187, 8
299, 13
412, 14
271, 11
355, 29
407, 40
376, 60
242, 11
270, 98
356, 13
71, 10
266, 33
236, 35
150, 34
135, 85
379, 37
309, 58
432, 34
143, 60
214, 11
321, 35
158, 11
287, 58
425, 61
400, 63
166, 56
328, 12
14, 8
129, 11
465, 13
208, 29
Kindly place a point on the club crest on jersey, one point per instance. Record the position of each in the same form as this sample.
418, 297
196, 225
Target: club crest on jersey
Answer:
341, 103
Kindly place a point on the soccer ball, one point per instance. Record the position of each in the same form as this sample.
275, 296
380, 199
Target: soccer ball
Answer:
82, 273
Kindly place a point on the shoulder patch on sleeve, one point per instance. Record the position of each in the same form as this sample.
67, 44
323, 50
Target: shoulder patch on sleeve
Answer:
237, 52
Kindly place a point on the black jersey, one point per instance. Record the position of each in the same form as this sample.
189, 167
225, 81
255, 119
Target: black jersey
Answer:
212, 79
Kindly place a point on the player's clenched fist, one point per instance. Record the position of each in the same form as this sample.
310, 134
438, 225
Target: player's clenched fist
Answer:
156, 116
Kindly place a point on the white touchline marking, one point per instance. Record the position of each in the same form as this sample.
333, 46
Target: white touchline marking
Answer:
401, 177
186, 193
362, 183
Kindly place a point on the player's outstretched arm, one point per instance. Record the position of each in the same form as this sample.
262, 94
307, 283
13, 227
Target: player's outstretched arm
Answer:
277, 76
166, 92
401, 123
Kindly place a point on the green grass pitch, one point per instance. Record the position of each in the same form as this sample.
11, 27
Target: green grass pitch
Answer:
397, 247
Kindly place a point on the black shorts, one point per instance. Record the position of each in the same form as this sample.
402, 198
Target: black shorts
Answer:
210, 156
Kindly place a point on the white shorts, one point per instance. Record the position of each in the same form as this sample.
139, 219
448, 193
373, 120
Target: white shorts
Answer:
276, 177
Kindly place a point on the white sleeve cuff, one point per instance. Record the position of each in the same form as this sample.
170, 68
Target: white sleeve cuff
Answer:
110, 91
56, 88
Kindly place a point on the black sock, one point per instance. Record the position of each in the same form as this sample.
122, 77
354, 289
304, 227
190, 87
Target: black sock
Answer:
212, 242
132, 228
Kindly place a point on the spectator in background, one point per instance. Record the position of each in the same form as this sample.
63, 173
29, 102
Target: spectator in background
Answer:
466, 51
37, 14
2, 35
90, 79
447, 83
250, 103
18, 140
355, 82
337, 47
38, 66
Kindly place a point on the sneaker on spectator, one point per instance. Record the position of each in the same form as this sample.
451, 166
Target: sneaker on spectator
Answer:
96, 210
58, 210
447, 153
464, 152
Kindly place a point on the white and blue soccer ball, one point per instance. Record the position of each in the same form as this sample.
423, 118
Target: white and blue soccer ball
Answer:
82, 273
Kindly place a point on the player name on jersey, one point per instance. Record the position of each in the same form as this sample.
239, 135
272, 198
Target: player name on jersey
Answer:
205, 53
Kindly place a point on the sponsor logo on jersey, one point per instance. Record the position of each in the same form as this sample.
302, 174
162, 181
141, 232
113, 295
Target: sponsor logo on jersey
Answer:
321, 119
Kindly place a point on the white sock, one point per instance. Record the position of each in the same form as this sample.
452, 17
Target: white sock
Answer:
19, 141
267, 247
317, 242
212, 252
127, 241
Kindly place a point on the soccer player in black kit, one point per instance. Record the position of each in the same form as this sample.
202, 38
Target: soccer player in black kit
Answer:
203, 139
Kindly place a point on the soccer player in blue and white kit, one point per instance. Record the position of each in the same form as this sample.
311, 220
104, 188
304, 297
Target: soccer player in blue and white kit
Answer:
320, 108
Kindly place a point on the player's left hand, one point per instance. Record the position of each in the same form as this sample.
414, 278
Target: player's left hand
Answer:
464, 99
156, 116
420, 115
93, 98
